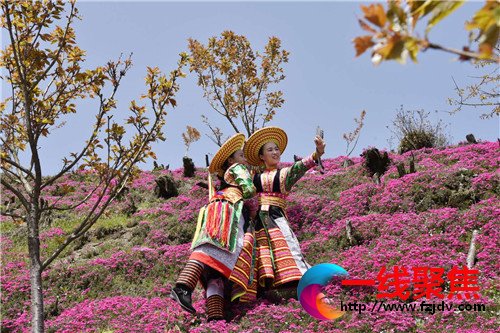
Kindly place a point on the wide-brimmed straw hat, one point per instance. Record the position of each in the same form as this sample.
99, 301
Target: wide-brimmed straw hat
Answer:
234, 143
260, 138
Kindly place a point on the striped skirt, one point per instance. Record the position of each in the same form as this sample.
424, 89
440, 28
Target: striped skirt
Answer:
270, 258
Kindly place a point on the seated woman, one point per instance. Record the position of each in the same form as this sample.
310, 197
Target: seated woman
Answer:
219, 233
271, 255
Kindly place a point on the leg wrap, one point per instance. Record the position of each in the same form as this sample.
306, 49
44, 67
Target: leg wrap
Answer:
190, 274
215, 307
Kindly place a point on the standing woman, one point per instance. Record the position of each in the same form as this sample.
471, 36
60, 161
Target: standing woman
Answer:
271, 257
219, 233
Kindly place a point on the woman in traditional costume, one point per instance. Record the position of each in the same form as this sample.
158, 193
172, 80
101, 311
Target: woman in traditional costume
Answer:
271, 255
219, 233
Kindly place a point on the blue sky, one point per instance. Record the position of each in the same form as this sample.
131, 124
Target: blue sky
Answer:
325, 84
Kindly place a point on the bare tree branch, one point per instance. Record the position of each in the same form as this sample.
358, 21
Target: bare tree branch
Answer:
221, 101
12, 215
494, 58
17, 193
18, 167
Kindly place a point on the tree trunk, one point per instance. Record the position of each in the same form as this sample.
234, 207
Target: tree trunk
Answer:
37, 325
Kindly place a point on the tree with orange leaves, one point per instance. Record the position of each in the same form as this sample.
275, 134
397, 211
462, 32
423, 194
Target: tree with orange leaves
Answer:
43, 69
236, 81
190, 136
392, 35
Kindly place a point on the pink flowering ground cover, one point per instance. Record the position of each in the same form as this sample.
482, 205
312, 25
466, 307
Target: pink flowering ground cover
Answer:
119, 277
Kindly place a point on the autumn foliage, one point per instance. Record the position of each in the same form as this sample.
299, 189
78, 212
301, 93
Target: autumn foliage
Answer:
237, 81
44, 71
392, 34
191, 135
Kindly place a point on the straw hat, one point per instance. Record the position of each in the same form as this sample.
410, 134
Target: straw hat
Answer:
231, 145
260, 138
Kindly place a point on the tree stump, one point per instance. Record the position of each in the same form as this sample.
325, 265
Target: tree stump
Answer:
188, 167
347, 163
412, 164
348, 229
471, 256
470, 138
202, 184
353, 236
375, 162
401, 170
166, 187
131, 208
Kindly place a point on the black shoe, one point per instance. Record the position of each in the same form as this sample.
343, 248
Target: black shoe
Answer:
183, 297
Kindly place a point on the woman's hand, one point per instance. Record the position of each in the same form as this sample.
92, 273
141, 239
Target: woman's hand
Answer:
320, 145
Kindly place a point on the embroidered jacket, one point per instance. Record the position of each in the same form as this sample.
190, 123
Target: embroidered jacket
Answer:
218, 220
274, 185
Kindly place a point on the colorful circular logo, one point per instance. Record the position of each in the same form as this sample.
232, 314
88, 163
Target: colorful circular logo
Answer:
309, 291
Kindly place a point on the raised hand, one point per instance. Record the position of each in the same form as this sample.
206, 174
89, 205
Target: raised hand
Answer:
320, 145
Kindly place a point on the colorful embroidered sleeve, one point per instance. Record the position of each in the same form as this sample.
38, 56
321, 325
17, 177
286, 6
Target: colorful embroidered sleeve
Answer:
297, 170
244, 180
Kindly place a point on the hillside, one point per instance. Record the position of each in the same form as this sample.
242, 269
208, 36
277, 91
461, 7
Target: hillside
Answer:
118, 278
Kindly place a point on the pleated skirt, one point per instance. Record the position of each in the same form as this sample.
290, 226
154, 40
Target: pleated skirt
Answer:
270, 258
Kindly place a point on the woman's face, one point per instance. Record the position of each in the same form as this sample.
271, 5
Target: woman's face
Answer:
270, 154
238, 157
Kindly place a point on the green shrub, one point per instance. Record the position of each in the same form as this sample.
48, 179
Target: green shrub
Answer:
414, 130
416, 140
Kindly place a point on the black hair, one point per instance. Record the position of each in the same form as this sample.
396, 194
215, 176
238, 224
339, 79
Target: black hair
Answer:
261, 150
224, 167
226, 164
